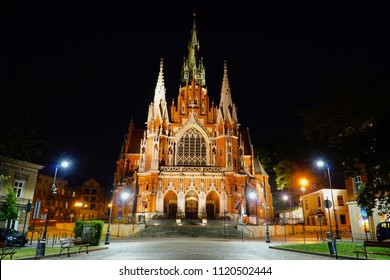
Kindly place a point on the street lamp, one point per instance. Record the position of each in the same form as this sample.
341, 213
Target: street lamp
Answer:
254, 196
267, 237
109, 220
320, 164
124, 196
53, 191
303, 182
78, 205
291, 211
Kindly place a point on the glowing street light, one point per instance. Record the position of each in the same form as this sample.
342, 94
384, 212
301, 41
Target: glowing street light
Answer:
321, 164
267, 237
124, 196
53, 191
78, 205
254, 196
303, 182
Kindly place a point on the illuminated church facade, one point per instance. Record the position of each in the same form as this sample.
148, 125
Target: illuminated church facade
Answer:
192, 160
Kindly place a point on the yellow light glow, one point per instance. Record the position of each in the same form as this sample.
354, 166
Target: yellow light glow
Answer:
303, 182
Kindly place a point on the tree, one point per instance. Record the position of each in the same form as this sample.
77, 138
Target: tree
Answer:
8, 209
352, 117
285, 171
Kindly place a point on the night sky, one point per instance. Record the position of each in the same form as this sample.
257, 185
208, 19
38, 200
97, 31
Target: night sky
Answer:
85, 68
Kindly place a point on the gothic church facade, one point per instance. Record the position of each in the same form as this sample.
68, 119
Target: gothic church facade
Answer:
192, 160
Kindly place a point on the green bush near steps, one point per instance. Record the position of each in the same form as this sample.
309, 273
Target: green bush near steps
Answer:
90, 232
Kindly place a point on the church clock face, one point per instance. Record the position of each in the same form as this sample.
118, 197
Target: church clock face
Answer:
186, 75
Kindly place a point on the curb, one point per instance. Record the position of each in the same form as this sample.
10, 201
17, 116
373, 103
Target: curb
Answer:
63, 254
312, 253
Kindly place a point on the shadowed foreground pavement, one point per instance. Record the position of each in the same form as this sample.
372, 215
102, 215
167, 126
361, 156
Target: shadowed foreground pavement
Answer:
190, 249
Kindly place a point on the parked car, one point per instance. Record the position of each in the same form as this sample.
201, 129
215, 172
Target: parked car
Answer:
383, 231
12, 237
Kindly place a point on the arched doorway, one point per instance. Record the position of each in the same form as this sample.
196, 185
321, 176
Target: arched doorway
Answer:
170, 204
191, 206
212, 205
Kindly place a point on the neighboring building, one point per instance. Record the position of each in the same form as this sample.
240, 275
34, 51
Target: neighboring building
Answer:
85, 202
22, 175
362, 226
61, 203
317, 214
92, 204
192, 159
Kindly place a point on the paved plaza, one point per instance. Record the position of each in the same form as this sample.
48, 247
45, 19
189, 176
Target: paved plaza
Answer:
191, 249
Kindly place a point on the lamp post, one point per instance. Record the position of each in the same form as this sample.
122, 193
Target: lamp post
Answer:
254, 196
291, 212
303, 182
320, 163
108, 234
53, 191
267, 237
124, 196
78, 205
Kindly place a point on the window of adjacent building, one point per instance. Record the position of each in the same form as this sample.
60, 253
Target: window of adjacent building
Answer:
343, 220
66, 205
340, 200
306, 205
356, 182
94, 191
93, 206
18, 187
319, 201
192, 148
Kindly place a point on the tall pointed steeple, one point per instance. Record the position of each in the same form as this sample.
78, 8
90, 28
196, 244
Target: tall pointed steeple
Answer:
159, 92
226, 105
158, 111
193, 64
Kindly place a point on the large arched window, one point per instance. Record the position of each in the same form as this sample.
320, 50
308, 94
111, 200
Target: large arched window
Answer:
191, 148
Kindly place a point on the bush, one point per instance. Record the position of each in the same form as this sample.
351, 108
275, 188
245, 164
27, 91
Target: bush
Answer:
89, 231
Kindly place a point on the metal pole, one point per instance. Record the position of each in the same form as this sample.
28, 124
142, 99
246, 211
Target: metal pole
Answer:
303, 225
109, 221
267, 238
334, 211
330, 222
49, 202
291, 213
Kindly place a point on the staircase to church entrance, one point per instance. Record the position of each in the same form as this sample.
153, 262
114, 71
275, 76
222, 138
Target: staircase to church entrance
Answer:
191, 228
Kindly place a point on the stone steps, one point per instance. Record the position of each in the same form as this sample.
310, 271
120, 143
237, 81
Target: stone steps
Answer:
190, 229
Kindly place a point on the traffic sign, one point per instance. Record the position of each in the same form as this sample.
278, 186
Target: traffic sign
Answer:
319, 213
327, 203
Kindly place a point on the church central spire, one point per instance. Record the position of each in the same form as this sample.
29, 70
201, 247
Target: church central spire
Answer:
193, 64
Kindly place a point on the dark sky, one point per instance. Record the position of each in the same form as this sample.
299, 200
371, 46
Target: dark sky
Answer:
86, 68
